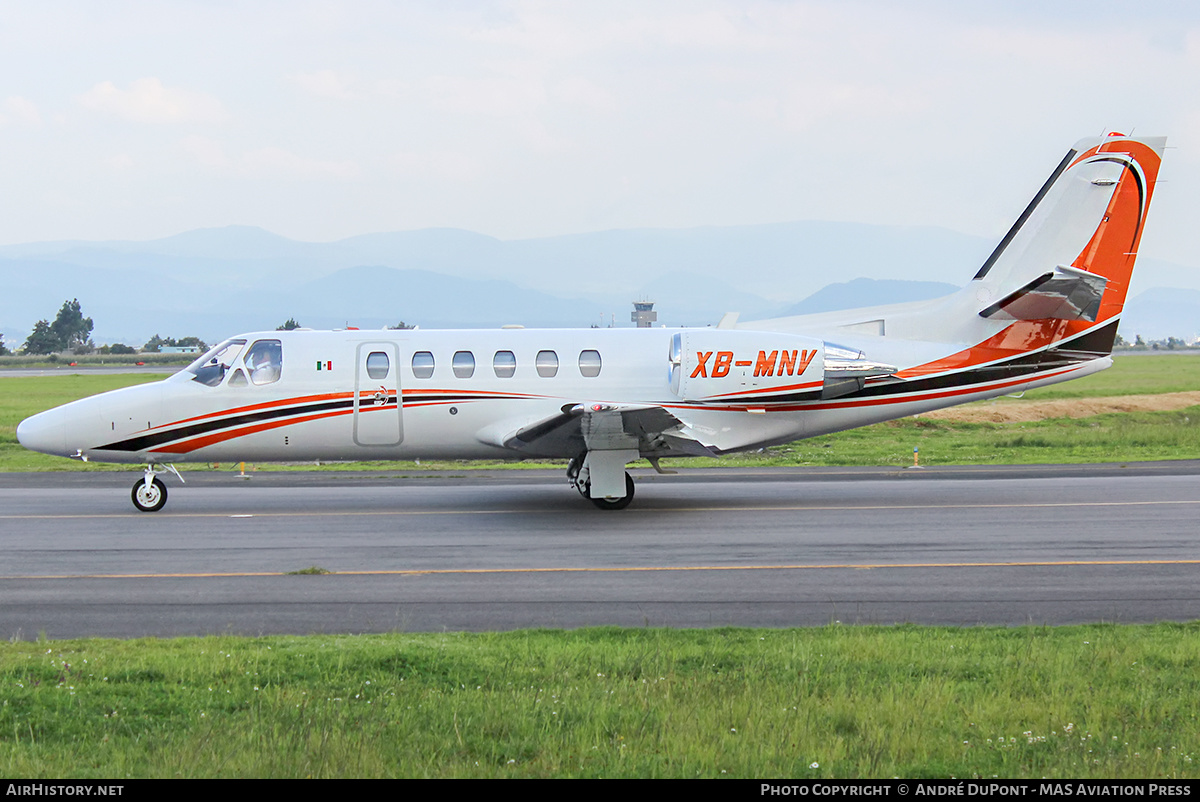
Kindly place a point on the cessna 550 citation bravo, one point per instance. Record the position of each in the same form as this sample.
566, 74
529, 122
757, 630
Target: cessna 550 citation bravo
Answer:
1043, 308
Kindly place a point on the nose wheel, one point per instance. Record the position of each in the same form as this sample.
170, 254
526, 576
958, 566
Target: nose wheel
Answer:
149, 496
149, 493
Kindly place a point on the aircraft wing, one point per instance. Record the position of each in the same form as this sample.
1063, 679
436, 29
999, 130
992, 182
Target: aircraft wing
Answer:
601, 426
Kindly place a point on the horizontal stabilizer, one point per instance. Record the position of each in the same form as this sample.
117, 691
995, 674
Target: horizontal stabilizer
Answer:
1066, 294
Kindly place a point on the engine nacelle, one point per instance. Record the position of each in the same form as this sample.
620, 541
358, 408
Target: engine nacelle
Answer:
711, 364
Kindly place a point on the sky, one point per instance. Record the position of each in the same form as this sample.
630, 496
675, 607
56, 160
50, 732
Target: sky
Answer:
323, 120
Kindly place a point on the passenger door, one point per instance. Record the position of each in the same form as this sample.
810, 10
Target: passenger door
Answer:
377, 402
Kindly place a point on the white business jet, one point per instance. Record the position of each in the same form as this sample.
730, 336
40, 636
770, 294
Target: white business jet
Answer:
1043, 308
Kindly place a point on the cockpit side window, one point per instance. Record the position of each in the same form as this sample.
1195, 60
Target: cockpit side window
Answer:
264, 361
210, 368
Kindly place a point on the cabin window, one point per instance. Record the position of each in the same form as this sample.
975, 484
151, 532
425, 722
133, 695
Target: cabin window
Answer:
378, 365
546, 363
463, 364
589, 363
505, 364
422, 364
264, 362
210, 368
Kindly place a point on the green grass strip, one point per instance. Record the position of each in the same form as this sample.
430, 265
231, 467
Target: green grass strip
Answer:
1093, 701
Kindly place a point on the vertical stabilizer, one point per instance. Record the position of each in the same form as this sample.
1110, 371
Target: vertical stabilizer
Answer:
1070, 255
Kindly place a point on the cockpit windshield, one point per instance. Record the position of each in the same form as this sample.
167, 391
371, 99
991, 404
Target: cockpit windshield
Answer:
210, 368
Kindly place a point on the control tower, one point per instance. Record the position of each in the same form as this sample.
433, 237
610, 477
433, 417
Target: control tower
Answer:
643, 314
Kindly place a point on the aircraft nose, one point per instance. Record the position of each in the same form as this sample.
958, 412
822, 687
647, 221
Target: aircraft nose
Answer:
44, 432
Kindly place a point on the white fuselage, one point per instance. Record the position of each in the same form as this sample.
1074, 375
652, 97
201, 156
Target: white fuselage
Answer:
324, 403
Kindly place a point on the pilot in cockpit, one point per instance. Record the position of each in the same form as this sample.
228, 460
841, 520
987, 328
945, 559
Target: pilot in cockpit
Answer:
265, 361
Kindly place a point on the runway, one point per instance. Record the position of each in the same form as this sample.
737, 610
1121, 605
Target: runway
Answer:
513, 549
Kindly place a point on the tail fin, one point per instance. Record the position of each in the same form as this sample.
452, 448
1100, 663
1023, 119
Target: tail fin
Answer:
1052, 291
1070, 255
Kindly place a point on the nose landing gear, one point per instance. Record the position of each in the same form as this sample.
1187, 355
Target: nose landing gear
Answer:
149, 496
149, 493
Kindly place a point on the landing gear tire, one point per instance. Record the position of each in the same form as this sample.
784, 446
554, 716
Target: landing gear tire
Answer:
149, 498
617, 503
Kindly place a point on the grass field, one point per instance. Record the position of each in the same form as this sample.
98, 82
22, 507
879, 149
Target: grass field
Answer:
1083, 702
1131, 374
1115, 437
22, 396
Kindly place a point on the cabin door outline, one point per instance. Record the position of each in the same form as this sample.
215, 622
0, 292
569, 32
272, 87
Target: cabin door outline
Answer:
378, 417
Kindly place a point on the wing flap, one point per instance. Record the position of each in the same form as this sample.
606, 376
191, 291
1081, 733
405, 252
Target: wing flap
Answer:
599, 426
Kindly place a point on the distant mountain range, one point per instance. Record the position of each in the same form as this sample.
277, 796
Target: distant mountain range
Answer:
214, 282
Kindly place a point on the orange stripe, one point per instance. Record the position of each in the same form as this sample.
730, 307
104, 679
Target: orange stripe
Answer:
867, 402
1022, 337
905, 399
304, 399
265, 405
185, 446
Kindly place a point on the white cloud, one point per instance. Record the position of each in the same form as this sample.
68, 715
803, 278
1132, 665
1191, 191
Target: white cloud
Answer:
204, 150
521, 117
436, 164
148, 101
280, 162
21, 111
265, 162
324, 83
584, 93
120, 162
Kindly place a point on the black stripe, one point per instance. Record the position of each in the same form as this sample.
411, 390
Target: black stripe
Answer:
411, 399
1033, 204
1043, 361
1065, 353
1082, 348
148, 441
1137, 177
1097, 342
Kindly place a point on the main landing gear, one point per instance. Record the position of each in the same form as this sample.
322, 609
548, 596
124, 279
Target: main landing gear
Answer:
617, 503
149, 493
579, 477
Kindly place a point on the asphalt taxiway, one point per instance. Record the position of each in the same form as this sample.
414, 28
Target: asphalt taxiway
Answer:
510, 549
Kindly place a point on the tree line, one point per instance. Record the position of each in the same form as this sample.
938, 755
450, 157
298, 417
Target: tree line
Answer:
71, 331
